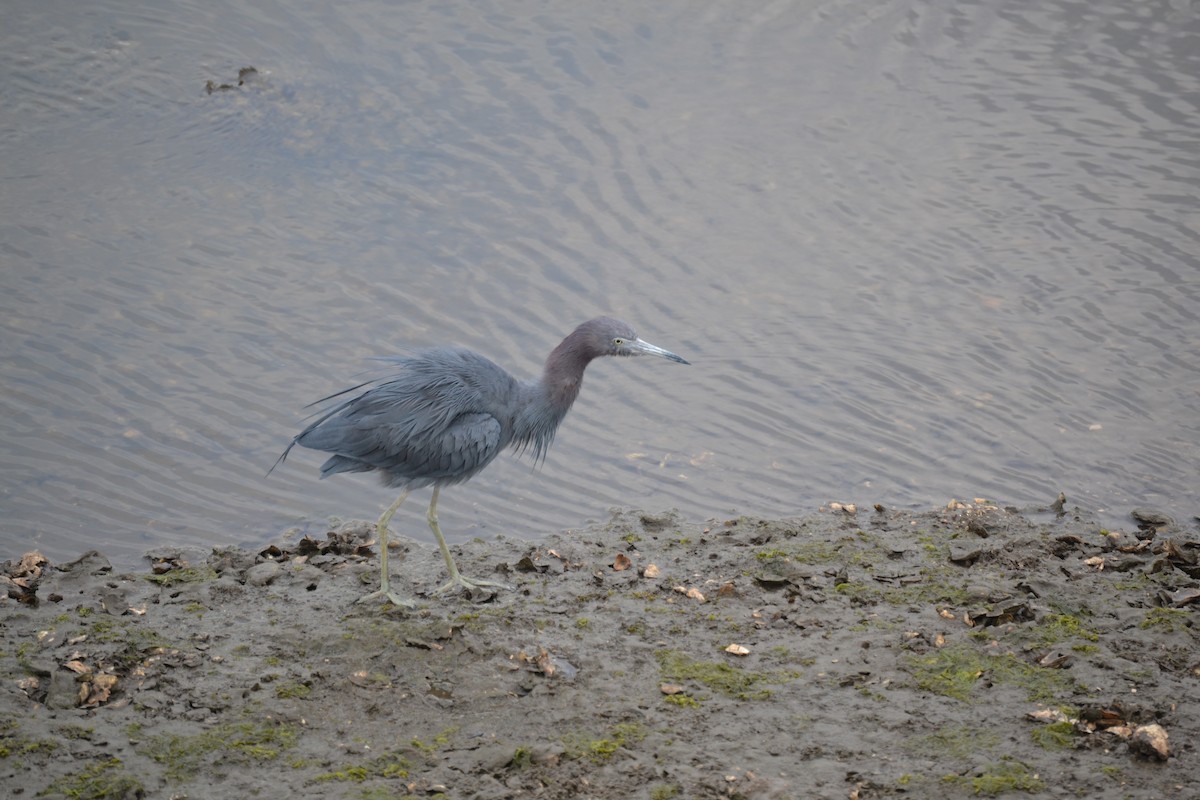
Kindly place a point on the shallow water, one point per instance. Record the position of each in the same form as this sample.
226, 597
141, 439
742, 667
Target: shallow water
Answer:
914, 250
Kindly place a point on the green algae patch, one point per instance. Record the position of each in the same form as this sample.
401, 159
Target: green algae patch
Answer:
522, 757
391, 764
810, 552
176, 577
937, 585
387, 765
76, 732
962, 742
371, 634
682, 700
1166, 619
1053, 629
135, 635
293, 690
956, 670
440, 742
602, 748
184, 756
999, 778
15, 745
100, 780
951, 671
1055, 736
729, 680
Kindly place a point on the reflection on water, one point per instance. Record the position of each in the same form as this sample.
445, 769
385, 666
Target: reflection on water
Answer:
915, 250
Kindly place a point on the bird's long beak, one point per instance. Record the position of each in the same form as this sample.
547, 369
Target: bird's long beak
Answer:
639, 347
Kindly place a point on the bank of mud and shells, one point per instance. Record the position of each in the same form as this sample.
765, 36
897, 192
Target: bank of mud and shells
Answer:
852, 653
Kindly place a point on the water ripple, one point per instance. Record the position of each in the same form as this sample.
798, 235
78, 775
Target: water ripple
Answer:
915, 249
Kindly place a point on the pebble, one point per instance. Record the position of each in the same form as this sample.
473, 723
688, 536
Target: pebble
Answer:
1151, 518
262, 574
1150, 741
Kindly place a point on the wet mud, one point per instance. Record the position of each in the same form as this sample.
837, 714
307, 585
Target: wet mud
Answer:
852, 653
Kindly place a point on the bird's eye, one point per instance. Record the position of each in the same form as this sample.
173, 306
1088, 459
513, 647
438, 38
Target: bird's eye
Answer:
618, 341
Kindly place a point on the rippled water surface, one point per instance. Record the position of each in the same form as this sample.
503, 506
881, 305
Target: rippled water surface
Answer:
914, 250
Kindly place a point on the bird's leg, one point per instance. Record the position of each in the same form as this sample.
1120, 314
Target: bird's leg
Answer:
456, 578
384, 587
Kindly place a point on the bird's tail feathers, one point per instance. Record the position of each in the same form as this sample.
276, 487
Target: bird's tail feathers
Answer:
337, 464
282, 457
337, 394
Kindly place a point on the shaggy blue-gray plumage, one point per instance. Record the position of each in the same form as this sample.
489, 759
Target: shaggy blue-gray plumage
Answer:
448, 412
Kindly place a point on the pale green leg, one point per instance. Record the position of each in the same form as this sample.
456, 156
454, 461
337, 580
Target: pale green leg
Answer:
456, 579
382, 528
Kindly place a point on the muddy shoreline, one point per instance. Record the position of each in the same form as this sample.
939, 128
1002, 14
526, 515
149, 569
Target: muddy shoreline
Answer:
851, 653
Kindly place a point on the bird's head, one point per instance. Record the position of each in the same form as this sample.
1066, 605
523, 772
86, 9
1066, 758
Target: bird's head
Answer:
606, 336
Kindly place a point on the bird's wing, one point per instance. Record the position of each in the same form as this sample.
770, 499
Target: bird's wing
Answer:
412, 451
432, 422
465, 446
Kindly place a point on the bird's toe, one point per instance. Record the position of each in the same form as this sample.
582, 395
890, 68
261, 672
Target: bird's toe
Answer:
476, 588
392, 597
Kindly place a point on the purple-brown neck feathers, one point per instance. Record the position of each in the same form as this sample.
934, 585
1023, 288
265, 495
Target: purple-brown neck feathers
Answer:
550, 398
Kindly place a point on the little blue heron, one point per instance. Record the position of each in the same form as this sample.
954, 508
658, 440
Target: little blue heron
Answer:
447, 413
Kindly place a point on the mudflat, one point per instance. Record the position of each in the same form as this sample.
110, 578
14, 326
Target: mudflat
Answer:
970, 650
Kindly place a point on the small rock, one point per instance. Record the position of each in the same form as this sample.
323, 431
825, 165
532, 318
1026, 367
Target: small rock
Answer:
262, 574
1049, 715
1124, 563
114, 602
548, 754
1183, 597
99, 691
690, 592
967, 554
1185, 555
1001, 613
653, 523
1150, 741
1124, 542
772, 580
1149, 518
1056, 659
90, 563
527, 564
63, 691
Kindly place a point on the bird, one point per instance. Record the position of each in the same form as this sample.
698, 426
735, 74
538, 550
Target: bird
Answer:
445, 414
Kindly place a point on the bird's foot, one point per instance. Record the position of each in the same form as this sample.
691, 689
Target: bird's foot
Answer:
472, 585
396, 599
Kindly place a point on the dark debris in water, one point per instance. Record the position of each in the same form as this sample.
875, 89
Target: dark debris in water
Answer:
245, 75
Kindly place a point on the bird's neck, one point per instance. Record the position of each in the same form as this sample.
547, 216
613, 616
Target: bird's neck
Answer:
548, 400
562, 376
